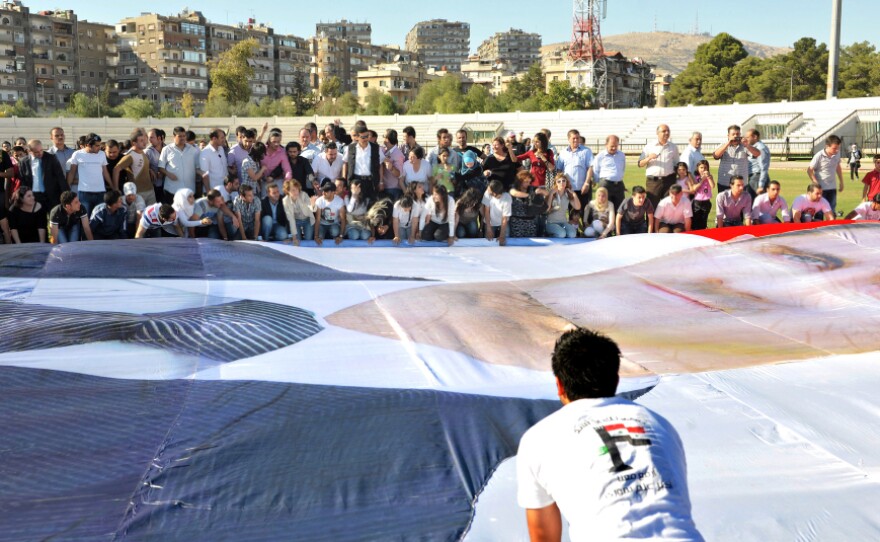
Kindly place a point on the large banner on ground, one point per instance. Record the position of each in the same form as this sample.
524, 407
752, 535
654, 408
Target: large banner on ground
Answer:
200, 390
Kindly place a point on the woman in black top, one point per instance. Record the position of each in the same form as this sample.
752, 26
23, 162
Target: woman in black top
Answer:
501, 164
28, 219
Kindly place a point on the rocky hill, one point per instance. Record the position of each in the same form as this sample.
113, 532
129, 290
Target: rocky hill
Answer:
670, 51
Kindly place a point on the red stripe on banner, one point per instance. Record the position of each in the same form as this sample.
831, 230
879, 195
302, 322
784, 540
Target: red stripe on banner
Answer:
636, 430
610, 428
726, 234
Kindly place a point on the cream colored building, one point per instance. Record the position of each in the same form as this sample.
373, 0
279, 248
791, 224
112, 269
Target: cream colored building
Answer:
518, 49
400, 80
440, 44
494, 75
331, 57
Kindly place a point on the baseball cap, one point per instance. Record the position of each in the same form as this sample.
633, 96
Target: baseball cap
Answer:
129, 189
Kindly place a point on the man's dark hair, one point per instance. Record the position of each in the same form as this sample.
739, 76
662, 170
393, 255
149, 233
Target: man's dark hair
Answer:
67, 198
240, 129
675, 189
215, 133
258, 151
246, 189
178, 130
638, 190
496, 186
771, 183
275, 132
112, 143
213, 194
373, 134
440, 132
250, 134
360, 130
391, 135
876, 198
165, 212
586, 364
230, 179
111, 197
293, 145
832, 140
331, 145
409, 130
360, 124
18, 148
311, 127
737, 178
190, 136
812, 187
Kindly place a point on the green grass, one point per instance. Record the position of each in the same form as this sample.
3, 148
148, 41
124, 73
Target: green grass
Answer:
791, 176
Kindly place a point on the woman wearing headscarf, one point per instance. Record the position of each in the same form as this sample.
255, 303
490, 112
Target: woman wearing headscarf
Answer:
184, 206
470, 175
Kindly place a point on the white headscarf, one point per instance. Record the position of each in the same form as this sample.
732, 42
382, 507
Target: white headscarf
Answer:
181, 203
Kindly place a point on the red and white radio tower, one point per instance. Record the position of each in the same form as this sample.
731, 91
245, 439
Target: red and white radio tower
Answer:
586, 66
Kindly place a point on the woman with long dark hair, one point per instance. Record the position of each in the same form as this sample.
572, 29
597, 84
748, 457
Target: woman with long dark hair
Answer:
356, 206
501, 164
440, 217
27, 219
468, 208
541, 158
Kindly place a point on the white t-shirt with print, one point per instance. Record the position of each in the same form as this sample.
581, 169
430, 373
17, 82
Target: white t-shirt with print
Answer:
614, 468
809, 208
865, 211
329, 209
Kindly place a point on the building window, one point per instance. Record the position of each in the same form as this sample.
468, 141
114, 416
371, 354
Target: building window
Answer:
366, 84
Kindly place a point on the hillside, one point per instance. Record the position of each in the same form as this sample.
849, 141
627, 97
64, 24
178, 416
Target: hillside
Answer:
670, 51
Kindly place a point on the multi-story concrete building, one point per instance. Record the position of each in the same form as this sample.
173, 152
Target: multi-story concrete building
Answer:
221, 38
17, 64
331, 57
401, 80
440, 43
96, 59
291, 64
517, 48
345, 30
494, 75
162, 57
629, 81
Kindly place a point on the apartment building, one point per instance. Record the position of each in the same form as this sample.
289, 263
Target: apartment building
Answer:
345, 30
16, 61
401, 80
516, 48
163, 57
440, 44
96, 59
331, 57
292, 64
221, 38
494, 75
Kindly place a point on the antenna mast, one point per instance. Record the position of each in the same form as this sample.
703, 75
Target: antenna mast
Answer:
586, 66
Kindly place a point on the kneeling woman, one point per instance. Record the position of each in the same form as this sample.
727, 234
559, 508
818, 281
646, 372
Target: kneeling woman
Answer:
356, 207
440, 217
599, 216
561, 199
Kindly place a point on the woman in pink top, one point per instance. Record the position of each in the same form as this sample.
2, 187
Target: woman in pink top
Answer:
702, 190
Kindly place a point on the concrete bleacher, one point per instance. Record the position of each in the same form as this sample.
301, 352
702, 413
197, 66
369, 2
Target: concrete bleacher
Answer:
806, 124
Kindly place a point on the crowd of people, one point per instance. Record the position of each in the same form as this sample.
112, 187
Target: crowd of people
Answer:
334, 185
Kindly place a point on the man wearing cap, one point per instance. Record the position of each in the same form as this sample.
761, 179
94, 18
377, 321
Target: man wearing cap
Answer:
90, 163
518, 148
659, 160
134, 206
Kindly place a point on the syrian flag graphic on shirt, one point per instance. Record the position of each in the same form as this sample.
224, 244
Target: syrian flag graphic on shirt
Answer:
616, 434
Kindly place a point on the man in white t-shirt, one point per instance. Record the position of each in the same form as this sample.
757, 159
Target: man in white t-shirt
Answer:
674, 213
811, 206
497, 208
768, 205
613, 468
90, 165
869, 210
824, 167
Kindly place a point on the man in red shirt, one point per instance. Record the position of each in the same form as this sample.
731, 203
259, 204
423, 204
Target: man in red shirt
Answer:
872, 181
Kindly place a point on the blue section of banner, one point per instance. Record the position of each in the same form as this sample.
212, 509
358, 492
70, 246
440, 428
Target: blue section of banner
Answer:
87, 458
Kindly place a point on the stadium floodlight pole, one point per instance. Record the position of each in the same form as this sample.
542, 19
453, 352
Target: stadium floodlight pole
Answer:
834, 56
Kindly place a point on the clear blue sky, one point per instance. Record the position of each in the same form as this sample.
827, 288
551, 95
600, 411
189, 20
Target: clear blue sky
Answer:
771, 22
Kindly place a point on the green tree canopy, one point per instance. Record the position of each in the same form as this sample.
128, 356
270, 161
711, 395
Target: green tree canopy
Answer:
331, 87
231, 73
136, 108
379, 103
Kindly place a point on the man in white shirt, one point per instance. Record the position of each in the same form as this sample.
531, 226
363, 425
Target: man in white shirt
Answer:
673, 214
363, 161
609, 167
497, 209
178, 163
90, 165
869, 210
768, 205
823, 168
693, 153
614, 469
327, 165
659, 160
811, 206
212, 161
575, 161
308, 150
733, 158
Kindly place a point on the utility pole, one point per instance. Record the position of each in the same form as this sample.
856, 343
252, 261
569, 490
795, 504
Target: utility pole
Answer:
834, 53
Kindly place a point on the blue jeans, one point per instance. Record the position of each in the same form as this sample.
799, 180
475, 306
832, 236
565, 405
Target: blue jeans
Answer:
405, 232
395, 193
214, 229
467, 230
271, 230
561, 230
357, 234
70, 235
304, 229
90, 200
627, 228
496, 230
329, 231
831, 196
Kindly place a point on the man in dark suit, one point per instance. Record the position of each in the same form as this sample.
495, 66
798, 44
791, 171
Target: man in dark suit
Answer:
362, 161
44, 174
275, 226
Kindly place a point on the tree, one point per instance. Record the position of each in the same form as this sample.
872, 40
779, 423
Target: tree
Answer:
137, 108
524, 89
441, 95
331, 87
167, 110
567, 98
347, 104
379, 103
83, 106
231, 73
859, 71
20, 109
187, 104
479, 99
700, 76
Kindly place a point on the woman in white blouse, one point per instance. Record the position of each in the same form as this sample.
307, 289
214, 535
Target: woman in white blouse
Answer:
440, 219
299, 210
417, 169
